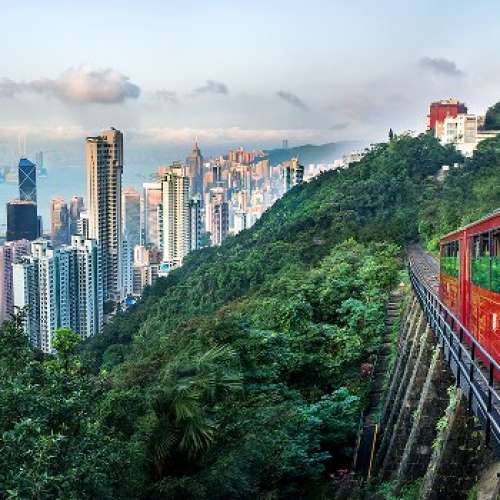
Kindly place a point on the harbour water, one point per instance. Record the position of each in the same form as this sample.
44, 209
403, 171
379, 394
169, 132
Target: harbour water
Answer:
66, 181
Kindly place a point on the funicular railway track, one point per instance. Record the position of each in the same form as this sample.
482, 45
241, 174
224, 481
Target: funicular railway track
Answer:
474, 370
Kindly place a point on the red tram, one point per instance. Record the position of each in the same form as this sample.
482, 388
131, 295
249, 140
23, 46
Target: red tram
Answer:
470, 279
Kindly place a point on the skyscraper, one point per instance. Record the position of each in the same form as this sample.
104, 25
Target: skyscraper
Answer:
42, 171
195, 223
59, 222
35, 283
10, 253
22, 221
194, 168
175, 216
220, 222
27, 180
131, 216
293, 174
82, 224
75, 209
104, 197
60, 288
151, 201
88, 277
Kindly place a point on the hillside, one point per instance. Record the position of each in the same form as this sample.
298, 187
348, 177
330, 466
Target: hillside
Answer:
310, 153
492, 118
242, 374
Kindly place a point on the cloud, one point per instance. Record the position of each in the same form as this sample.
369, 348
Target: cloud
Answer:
166, 95
212, 87
184, 135
83, 85
339, 126
440, 66
292, 99
163, 135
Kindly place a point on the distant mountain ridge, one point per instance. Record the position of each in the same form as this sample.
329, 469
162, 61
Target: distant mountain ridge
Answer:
310, 153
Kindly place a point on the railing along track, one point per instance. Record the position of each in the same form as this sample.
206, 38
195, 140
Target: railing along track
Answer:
475, 371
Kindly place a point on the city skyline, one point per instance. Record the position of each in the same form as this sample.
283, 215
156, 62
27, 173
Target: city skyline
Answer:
166, 91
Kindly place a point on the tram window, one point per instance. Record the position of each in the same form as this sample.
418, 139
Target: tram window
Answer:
495, 243
481, 245
450, 249
449, 258
495, 260
481, 260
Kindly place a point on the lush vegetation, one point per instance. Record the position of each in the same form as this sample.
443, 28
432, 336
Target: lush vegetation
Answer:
240, 375
468, 193
492, 118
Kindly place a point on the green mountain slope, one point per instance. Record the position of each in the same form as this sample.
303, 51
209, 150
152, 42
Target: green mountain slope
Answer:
242, 374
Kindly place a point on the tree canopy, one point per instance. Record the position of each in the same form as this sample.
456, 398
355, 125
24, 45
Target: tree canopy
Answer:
240, 374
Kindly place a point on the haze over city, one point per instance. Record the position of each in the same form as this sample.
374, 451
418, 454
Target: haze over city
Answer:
167, 72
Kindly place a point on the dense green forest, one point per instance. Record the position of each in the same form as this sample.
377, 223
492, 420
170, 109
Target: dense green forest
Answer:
241, 375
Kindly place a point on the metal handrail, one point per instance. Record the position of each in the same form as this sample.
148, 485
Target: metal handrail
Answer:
461, 350
451, 314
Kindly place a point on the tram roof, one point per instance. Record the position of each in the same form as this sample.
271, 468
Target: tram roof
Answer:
492, 215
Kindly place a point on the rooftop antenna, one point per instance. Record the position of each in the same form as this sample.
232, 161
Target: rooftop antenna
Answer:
21, 144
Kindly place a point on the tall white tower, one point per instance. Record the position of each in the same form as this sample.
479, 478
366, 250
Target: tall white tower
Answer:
104, 194
175, 216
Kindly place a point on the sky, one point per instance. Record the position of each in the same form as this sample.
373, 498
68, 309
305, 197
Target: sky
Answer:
236, 72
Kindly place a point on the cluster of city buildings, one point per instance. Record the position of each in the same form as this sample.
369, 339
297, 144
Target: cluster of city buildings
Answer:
102, 251
450, 121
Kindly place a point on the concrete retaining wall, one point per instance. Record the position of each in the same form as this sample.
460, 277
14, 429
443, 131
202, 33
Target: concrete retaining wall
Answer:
428, 438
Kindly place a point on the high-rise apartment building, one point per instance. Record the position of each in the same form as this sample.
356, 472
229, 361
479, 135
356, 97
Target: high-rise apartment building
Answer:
151, 201
175, 216
88, 281
195, 223
194, 170
131, 215
216, 195
220, 222
293, 174
22, 220
104, 155
35, 284
27, 180
75, 209
240, 221
60, 288
82, 225
10, 253
59, 222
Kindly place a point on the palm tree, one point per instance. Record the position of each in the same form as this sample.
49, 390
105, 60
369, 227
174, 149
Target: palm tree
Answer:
188, 388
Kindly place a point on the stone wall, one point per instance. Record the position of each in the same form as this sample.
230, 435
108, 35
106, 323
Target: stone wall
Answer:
428, 439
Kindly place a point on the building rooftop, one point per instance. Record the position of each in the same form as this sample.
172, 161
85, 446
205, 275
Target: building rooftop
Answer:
24, 162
